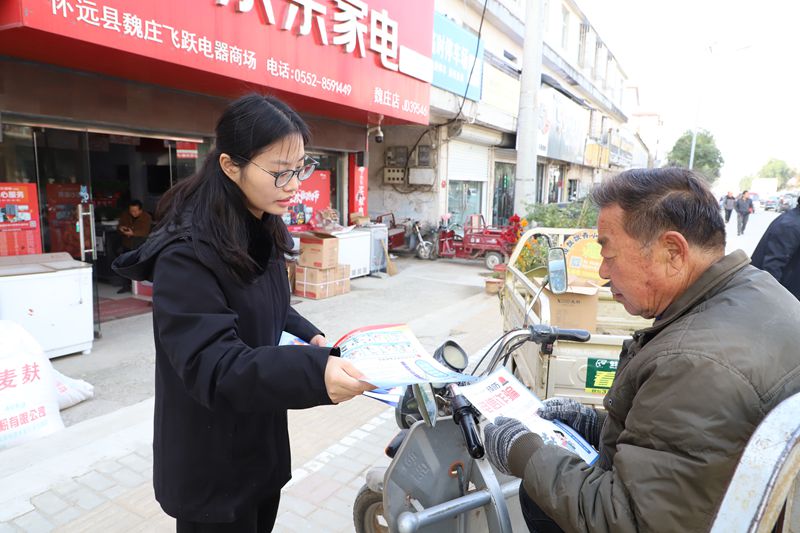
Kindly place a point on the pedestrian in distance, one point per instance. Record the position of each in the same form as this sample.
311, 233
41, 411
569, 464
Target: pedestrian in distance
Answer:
778, 251
220, 302
744, 208
728, 203
689, 390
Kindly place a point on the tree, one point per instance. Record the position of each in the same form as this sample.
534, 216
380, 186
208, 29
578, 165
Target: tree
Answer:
745, 183
776, 168
707, 157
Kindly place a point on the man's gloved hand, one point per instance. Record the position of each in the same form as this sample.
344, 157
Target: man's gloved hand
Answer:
509, 444
581, 418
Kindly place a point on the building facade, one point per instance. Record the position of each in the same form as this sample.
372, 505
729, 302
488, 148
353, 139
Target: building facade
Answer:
583, 134
103, 101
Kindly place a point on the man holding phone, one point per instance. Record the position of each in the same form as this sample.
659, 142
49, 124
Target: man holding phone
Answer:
134, 225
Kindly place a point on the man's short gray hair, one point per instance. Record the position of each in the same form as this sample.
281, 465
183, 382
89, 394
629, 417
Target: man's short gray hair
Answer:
656, 200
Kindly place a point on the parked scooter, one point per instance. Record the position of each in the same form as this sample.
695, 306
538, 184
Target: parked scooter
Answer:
438, 479
424, 248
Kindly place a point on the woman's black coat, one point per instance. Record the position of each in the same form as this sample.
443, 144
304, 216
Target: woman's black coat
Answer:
220, 441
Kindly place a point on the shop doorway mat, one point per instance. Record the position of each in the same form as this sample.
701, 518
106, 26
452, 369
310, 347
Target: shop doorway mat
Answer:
113, 309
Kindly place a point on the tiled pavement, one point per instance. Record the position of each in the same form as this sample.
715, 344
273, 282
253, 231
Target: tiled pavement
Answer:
114, 493
95, 475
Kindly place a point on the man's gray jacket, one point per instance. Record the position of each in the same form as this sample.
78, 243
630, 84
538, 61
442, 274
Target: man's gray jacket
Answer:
689, 392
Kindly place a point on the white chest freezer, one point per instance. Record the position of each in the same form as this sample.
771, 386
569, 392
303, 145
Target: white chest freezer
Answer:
354, 249
50, 295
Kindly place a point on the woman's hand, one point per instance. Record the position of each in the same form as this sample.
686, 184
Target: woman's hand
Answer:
318, 340
342, 380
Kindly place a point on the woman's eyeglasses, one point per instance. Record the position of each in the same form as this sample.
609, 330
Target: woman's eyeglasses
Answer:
284, 177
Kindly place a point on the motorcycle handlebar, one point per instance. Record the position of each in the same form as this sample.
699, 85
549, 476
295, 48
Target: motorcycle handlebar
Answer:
464, 416
543, 334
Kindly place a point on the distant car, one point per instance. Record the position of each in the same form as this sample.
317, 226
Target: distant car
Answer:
787, 201
771, 203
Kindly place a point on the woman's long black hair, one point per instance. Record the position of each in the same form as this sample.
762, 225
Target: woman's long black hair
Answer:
214, 203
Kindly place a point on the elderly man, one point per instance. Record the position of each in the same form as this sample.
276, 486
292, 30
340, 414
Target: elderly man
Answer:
689, 390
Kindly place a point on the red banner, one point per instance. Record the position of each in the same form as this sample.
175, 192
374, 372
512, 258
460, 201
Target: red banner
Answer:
357, 202
19, 219
372, 55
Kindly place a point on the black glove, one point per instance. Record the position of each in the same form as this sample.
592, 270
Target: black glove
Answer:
501, 437
581, 418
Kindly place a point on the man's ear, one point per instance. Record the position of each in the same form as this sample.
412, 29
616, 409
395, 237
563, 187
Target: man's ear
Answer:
231, 169
675, 249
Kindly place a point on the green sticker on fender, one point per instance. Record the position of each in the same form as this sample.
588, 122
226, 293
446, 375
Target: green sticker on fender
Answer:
600, 375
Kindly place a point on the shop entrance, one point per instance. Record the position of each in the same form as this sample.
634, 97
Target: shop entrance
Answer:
504, 183
78, 171
464, 198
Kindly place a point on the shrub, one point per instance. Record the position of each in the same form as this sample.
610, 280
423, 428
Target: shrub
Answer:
582, 214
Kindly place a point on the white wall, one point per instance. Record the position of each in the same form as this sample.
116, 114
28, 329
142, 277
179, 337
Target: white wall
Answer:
417, 203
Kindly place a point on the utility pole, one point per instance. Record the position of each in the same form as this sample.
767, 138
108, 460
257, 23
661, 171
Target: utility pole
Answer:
694, 143
531, 78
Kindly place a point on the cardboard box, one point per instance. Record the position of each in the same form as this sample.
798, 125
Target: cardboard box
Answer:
342, 280
359, 220
318, 283
314, 276
319, 250
575, 309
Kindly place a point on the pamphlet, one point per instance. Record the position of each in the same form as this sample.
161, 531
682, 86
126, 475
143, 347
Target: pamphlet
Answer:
388, 396
287, 339
501, 394
391, 356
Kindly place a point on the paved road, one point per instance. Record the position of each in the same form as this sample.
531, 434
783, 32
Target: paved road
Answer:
756, 226
95, 476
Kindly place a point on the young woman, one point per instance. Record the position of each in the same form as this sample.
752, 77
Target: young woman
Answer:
220, 302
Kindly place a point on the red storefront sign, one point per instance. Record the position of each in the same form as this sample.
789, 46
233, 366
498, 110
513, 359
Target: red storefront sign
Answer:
370, 55
19, 219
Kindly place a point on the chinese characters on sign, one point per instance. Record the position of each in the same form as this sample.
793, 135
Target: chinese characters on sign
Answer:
454, 54
600, 375
369, 55
19, 219
583, 256
93, 13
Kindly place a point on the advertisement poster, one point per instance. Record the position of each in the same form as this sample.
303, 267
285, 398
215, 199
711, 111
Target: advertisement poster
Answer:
313, 195
19, 219
583, 256
62, 215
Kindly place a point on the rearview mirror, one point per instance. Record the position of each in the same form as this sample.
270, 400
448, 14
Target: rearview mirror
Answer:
557, 270
426, 402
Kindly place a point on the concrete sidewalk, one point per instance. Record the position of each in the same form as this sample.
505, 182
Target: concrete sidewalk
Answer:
95, 476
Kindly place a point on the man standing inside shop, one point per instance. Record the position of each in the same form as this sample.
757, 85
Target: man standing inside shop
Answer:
134, 225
